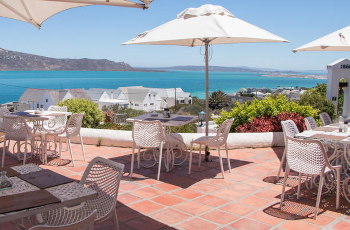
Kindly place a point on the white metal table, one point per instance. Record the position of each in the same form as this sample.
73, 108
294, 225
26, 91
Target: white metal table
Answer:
171, 124
341, 143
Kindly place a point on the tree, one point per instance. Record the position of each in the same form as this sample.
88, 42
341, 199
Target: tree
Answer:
93, 115
316, 98
218, 100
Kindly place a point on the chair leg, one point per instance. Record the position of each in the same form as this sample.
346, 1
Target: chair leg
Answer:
3, 153
115, 220
25, 151
221, 165
299, 185
228, 158
338, 187
138, 158
190, 160
319, 194
284, 185
82, 146
160, 159
132, 159
200, 155
281, 164
70, 150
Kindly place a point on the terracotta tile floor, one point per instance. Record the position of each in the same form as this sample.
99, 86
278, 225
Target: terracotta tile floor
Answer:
246, 199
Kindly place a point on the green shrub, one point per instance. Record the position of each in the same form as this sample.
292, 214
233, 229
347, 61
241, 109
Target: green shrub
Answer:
269, 106
113, 126
316, 98
93, 115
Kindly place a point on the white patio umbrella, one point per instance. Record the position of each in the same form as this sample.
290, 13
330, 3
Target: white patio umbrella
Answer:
37, 11
206, 25
336, 41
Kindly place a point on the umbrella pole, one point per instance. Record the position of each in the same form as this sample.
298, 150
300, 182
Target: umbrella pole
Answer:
207, 153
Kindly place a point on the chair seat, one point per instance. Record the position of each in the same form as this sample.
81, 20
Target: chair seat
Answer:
204, 140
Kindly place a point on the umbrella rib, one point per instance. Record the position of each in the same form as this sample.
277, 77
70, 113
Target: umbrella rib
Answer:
29, 14
107, 3
31, 21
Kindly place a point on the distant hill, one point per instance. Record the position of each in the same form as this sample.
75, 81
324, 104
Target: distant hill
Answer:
11, 60
223, 69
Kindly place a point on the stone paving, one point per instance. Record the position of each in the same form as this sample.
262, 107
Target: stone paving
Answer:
247, 199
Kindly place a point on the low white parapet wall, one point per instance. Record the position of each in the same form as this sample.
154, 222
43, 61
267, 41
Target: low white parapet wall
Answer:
235, 140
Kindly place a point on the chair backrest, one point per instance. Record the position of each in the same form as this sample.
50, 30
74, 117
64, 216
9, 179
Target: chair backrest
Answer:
4, 111
74, 124
224, 130
325, 119
85, 224
289, 129
310, 123
120, 118
15, 128
148, 134
306, 156
103, 176
57, 108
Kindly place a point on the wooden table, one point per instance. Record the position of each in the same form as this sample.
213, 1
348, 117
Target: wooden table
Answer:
69, 194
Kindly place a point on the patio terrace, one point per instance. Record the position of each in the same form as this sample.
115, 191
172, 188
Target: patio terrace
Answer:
246, 199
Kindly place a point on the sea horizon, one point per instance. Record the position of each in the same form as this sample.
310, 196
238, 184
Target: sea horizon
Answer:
14, 83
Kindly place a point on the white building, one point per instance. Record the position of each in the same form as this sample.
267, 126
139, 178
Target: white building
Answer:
108, 97
141, 98
44, 98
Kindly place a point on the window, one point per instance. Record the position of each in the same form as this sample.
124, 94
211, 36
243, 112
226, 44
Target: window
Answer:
145, 105
151, 104
41, 106
182, 101
37, 105
136, 104
47, 100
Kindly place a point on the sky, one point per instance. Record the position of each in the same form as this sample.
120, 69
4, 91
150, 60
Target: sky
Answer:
96, 32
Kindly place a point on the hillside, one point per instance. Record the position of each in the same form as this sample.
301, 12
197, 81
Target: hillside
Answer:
11, 60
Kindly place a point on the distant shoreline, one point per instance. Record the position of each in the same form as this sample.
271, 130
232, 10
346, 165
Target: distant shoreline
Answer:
310, 76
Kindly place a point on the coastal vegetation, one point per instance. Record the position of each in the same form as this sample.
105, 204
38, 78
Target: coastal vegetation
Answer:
316, 98
270, 111
92, 114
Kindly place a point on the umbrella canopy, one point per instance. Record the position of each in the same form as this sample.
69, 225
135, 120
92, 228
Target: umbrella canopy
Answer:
37, 11
336, 41
205, 25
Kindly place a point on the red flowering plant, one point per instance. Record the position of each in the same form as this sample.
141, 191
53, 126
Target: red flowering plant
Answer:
271, 123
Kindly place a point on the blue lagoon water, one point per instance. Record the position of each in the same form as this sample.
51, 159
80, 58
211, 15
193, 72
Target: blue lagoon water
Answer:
14, 83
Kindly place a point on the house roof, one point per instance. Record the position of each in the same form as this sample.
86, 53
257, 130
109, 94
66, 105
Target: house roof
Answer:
79, 93
96, 93
32, 95
135, 93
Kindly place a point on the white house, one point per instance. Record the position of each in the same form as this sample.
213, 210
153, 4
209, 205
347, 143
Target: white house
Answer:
108, 97
44, 98
141, 98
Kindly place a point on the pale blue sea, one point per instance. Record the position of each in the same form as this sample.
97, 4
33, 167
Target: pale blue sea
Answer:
14, 83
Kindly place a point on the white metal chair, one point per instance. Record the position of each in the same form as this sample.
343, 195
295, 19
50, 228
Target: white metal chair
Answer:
85, 224
3, 111
309, 157
72, 129
310, 123
289, 130
149, 134
58, 121
325, 119
103, 176
16, 128
219, 140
